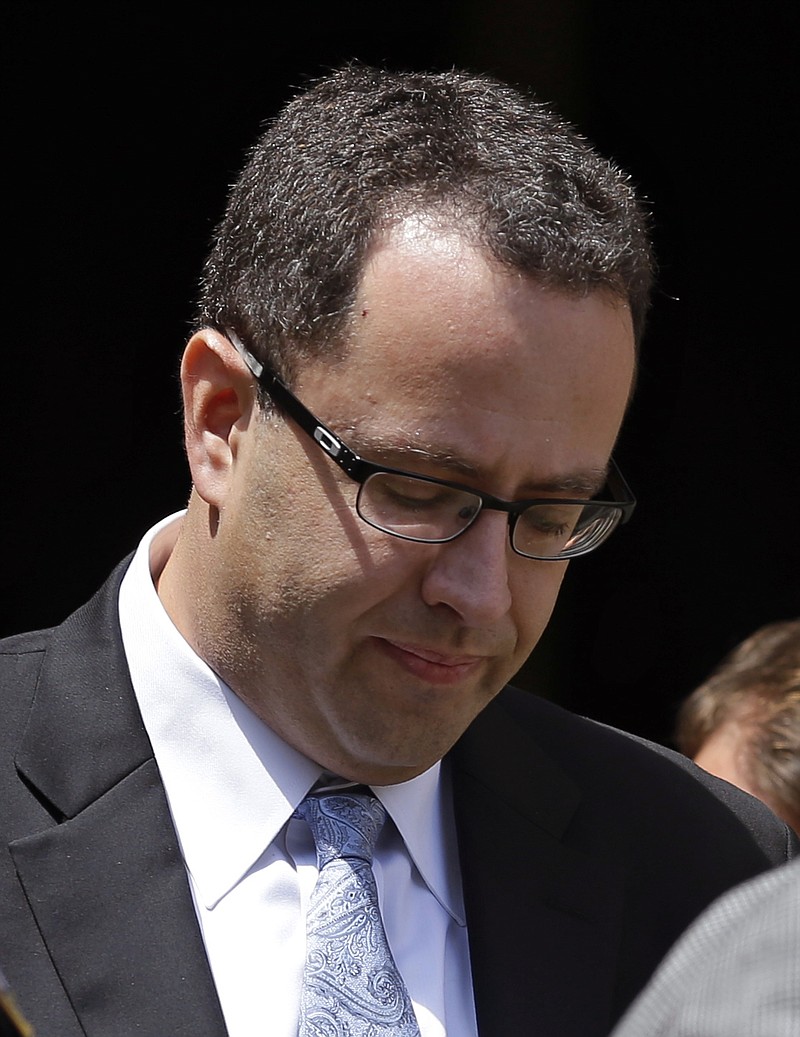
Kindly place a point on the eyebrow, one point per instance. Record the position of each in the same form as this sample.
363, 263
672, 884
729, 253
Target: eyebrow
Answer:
582, 483
585, 483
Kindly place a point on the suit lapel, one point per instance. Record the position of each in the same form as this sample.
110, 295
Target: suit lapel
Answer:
107, 884
526, 885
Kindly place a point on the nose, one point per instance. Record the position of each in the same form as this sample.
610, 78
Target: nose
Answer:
470, 574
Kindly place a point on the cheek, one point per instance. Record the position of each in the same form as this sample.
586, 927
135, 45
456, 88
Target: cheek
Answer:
535, 592
312, 557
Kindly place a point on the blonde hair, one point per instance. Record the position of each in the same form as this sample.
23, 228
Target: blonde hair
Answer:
757, 687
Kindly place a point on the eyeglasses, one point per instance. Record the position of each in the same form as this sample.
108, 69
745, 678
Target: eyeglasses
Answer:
435, 511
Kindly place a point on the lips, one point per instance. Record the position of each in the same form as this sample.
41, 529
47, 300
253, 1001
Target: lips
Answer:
433, 667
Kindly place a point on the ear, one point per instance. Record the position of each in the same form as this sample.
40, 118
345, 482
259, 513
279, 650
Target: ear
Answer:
218, 401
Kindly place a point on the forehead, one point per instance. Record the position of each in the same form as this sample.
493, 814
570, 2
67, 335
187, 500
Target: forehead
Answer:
449, 349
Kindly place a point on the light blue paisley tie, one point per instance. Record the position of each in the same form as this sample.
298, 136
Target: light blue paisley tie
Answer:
351, 985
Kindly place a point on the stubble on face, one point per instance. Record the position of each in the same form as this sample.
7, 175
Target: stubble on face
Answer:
300, 634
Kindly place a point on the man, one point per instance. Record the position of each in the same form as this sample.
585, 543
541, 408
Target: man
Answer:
734, 973
743, 722
414, 348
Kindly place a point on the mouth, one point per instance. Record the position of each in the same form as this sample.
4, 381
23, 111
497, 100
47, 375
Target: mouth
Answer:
428, 665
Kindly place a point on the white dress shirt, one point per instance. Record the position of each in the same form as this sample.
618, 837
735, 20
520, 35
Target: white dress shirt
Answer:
232, 785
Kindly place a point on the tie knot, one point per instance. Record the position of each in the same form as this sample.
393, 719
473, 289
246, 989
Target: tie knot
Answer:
343, 824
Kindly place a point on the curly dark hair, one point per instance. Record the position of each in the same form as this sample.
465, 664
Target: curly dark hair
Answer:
361, 149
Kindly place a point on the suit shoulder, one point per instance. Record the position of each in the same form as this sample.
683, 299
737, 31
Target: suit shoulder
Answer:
591, 744
73, 627
644, 779
30, 642
21, 659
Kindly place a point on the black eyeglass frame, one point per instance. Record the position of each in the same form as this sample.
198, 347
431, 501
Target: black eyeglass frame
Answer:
360, 470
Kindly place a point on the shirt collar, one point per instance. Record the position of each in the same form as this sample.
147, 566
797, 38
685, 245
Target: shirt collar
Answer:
422, 810
231, 782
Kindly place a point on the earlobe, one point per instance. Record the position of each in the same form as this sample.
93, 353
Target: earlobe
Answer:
218, 399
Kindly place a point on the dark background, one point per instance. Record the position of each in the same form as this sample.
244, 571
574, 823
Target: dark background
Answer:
124, 125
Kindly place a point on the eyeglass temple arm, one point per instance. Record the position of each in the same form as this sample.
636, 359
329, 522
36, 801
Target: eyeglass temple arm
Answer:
288, 402
620, 490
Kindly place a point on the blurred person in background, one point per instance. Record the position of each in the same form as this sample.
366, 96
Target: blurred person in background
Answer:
743, 722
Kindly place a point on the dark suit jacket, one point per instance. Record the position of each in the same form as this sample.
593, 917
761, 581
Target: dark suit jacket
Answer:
735, 972
585, 852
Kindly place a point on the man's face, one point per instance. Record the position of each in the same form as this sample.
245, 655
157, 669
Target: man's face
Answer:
372, 654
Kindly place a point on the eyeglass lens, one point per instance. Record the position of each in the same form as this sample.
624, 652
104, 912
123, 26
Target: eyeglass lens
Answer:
427, 511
